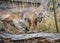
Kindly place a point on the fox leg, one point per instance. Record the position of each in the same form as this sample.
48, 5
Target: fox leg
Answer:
29, 21
34, 24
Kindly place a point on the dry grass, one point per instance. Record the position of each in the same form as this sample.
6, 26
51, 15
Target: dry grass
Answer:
47, 25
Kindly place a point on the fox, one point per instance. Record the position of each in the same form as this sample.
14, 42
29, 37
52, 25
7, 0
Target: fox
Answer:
9, 18
31, 19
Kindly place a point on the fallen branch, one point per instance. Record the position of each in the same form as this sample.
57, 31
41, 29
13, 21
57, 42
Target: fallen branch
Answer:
50, 36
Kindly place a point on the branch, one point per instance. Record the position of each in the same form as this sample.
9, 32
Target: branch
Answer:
50, 36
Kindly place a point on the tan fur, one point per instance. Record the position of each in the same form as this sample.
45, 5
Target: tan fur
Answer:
6, 19
32, 17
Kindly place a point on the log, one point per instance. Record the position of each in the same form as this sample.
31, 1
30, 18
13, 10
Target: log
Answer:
48, 36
